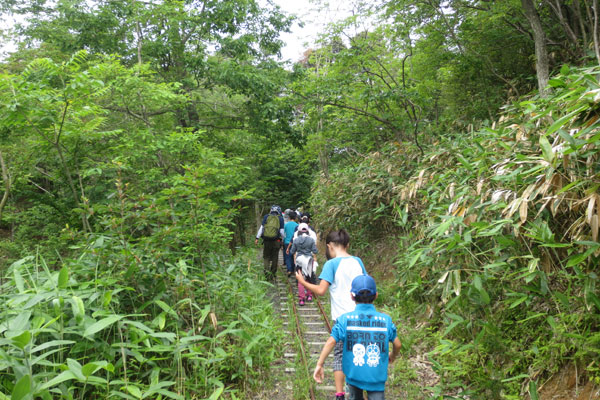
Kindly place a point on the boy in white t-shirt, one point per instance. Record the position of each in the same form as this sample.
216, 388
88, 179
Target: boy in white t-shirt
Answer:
337, 276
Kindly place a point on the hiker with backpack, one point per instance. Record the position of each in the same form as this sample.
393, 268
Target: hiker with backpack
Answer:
304, 248
272, 233
287, 249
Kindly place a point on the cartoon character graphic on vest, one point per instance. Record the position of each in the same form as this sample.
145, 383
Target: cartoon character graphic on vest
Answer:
359, 354
373, 355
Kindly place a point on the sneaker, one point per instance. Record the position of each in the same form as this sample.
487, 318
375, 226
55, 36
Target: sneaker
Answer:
301, 302
340, 397
309, 298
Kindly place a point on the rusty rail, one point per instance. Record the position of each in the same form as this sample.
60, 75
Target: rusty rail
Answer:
301, 340
327, 323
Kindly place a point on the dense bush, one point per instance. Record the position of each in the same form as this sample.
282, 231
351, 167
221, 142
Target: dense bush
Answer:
97, 329
498, 235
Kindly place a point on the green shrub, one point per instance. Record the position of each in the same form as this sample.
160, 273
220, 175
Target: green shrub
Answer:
497, 233
87, 331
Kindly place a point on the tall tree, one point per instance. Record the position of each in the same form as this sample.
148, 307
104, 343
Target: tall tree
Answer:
542, 65
198, 44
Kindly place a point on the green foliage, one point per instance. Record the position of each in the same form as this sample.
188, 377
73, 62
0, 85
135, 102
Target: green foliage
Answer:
359, 196
86, 332
498, 234
130, 173
75, 152
135, 217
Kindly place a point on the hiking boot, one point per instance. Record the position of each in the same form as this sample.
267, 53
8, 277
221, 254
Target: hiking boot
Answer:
309, 298
340, 397
301, 302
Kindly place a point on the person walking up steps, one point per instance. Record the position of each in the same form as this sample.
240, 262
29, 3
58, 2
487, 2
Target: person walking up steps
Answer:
304, 248
311, 233
289, 228
337, 276
271, 231
365, 334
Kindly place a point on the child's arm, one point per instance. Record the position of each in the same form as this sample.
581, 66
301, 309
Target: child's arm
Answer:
319, 373
319, 289
397, 345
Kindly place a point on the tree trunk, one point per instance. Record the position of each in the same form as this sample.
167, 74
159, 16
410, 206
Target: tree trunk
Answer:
595, 33
7, 184
323, 156
557, 7
66, 169
580, 23
542, 64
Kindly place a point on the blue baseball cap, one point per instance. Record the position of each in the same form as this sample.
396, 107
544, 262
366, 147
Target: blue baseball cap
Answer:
363, 282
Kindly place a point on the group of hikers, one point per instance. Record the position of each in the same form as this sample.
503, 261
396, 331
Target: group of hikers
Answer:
359, 332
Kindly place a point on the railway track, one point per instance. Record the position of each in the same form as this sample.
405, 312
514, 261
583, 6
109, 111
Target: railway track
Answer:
307, 328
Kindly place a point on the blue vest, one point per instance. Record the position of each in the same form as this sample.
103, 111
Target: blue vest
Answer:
366, 334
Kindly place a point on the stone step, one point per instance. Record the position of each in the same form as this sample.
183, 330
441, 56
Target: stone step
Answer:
325, 388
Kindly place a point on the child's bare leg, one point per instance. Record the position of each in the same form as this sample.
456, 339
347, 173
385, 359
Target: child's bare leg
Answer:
338, 376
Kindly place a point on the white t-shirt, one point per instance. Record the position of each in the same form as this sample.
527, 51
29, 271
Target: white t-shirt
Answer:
340, 272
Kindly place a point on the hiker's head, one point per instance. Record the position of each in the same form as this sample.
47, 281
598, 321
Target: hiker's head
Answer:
363, 290
275, 209
303, 229
293, 216
305, 219
336, 241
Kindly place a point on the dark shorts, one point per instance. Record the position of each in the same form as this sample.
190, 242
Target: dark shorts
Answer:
355, 393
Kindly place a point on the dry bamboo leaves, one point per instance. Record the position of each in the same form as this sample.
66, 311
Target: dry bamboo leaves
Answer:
479, 187
523, 210
592, 212
590, 208
553, 169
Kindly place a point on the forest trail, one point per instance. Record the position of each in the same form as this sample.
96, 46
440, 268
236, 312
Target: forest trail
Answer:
290, 380
412, 380
305, 331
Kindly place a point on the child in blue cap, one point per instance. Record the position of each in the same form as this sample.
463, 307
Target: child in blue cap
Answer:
366, 335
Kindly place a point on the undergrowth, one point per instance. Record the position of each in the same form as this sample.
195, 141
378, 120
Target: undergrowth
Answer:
203, 331
497, 231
